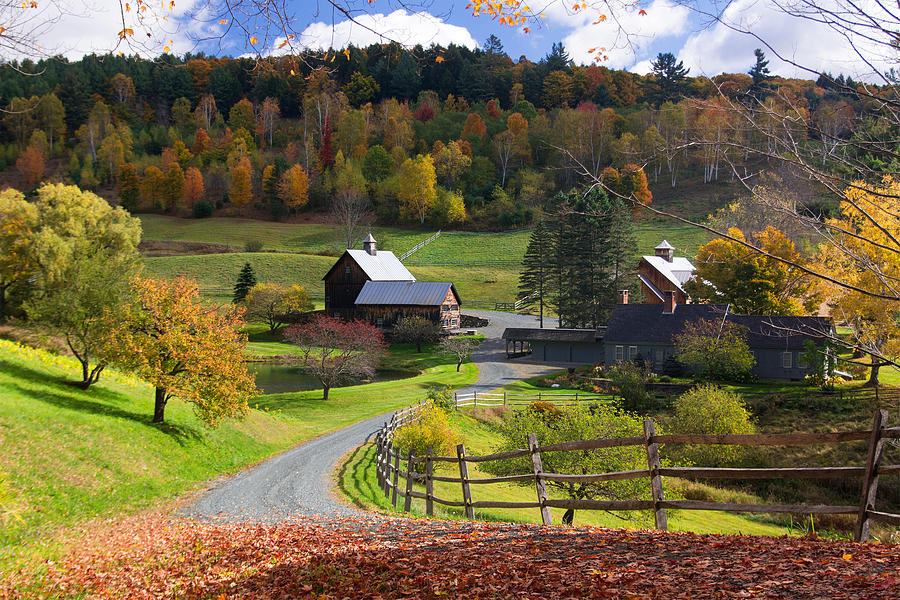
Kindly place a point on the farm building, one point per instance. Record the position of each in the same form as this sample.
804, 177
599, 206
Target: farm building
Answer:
664, 272
648, 330
383, 303
345, 280
555, 345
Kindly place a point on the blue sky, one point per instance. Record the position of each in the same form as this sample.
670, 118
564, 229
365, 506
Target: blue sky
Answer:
667, 26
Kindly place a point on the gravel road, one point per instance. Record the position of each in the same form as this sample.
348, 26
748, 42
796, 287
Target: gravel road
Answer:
299, 482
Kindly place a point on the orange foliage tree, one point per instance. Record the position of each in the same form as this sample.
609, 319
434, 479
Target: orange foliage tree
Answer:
31, 165
193, 186
293, 188
241, 191
185, 349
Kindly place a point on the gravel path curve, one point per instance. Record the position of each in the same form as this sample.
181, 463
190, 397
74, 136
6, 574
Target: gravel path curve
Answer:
299, 482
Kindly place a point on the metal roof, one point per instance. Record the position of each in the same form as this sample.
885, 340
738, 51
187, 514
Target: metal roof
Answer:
665, 245
409, 293
384, 266
530, 334
679, 271
369, 239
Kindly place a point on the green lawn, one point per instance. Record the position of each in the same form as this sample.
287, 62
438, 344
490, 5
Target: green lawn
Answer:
358, 484
71, 455
441, 260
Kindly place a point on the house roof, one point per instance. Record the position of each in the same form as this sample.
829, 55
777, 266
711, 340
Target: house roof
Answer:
384, 266
679, 271
405, 293
648, 324
529, 334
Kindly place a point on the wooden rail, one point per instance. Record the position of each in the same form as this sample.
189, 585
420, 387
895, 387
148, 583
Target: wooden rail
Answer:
388, 462
506, 399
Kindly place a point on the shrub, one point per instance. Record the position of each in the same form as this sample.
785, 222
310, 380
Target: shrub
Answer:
544, 410
202, 209
432, 429
708, 409
442, 397
629, 379
253, 245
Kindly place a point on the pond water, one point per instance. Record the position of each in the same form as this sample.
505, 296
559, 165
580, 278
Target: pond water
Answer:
280, 378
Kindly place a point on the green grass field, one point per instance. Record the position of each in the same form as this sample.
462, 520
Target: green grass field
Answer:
457, 256
71, 455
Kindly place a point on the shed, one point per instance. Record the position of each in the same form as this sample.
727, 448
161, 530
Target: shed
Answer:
555, 345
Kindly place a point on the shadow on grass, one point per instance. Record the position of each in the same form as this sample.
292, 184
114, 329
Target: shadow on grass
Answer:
359, 484
68, 396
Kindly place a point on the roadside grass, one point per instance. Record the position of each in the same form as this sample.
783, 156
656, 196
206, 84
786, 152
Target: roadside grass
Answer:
357, 482
71, 455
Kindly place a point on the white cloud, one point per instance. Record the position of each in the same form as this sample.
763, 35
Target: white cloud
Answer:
73, 28
406, 28
721, 49
626, 35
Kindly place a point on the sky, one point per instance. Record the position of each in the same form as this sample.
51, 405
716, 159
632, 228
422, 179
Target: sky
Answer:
652, 26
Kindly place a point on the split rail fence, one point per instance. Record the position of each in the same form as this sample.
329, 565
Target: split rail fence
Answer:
505, 399
396, 473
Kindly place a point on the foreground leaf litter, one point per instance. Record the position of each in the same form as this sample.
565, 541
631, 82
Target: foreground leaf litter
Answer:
156, 556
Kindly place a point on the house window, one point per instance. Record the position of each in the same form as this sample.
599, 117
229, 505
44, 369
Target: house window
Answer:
658, 357
620, 353
802, 361
379, 322
454, 307
445, 307
347, 270
632, 352
454, 322
786, 360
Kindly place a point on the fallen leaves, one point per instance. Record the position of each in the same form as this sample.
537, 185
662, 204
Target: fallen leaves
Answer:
153, 556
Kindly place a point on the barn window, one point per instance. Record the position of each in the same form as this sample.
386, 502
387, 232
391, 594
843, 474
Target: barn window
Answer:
454, 307
379, 322
802, 361
454, 322
786, 360
620, 353
445, 307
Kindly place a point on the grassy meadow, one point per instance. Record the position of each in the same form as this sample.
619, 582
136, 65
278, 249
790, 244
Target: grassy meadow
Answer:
293, 253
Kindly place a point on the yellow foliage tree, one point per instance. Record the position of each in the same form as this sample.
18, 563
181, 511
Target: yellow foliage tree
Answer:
417, 193
293, 189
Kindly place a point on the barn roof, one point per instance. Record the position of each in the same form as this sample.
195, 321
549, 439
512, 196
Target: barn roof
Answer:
679, 271
648, 324
530, 334
383, 266
406, 293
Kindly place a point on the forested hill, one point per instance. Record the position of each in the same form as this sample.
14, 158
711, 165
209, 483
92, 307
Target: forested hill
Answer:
437, 136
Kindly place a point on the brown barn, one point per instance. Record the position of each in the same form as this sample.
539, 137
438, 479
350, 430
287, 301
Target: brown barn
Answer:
345, 280
383, 303
664, 272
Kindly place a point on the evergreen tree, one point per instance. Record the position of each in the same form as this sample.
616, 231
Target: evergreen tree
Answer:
536, 278
245, 281
759, 89
669, 79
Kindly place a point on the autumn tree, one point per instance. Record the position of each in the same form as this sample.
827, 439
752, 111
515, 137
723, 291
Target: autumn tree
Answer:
128, 187
474, 128
336, 351
241, 116
275, 303
173, 186
206, 112
459, 347
293, 187
754, 283
449, 208
18, 221
241, 191
350, 208
194, 190
417, 192
715, 350
267, 114
450, 163
30, 165
416, 330
185, 348
81, 254
52, 119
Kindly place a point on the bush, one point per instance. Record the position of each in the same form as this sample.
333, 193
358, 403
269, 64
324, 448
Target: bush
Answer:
630, 381
442, 397
708, 409
432, 429
544, 410
202, 209
253, 246
673, 368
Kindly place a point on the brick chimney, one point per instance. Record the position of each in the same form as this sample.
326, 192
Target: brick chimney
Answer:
623, 296
369, 245
669, 305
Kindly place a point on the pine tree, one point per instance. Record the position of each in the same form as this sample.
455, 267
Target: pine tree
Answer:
536, 278
760, 73
245, 281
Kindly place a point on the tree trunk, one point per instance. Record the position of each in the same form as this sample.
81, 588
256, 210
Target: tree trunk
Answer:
458, 365
873, 374
418, 347
159, 408
325, 392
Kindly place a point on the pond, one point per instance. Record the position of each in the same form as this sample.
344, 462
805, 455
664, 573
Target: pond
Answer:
280, 378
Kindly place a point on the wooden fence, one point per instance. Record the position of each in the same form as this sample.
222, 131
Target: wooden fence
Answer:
505, 399
392, 466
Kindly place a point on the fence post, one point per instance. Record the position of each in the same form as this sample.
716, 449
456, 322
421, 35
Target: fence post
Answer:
504, 398
659, 514
464, 476
475, 397
538, 479
455, 401
379, 446
410, 465
386, 468
429, 484
395, 478
870, 479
